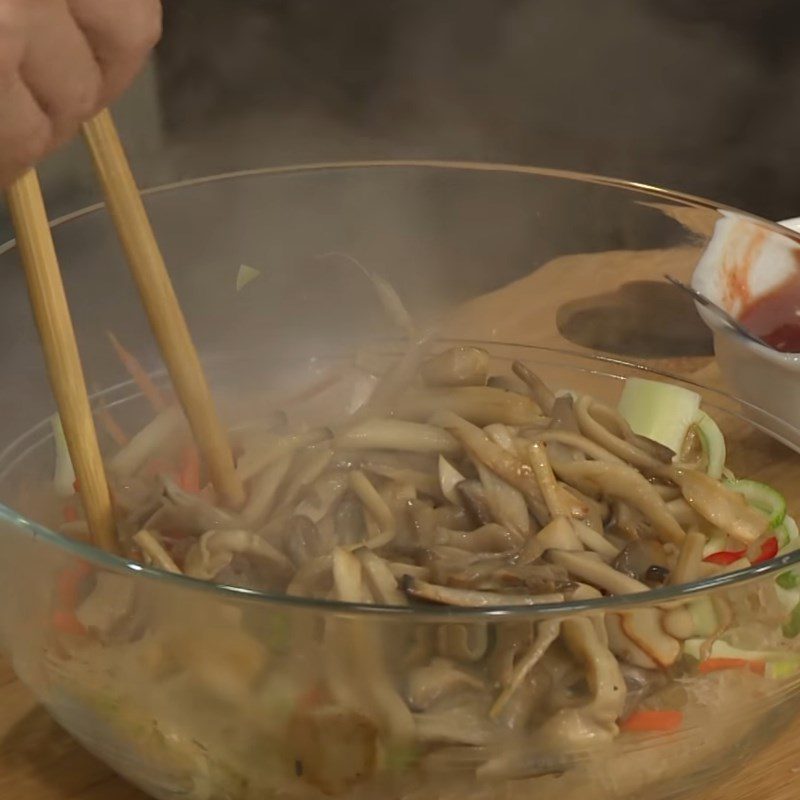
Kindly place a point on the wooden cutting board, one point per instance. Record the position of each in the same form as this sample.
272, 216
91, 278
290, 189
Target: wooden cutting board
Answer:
39, 761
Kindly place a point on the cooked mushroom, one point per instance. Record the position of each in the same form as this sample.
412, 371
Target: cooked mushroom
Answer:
541, 392
457, 366
435, 680
625, 483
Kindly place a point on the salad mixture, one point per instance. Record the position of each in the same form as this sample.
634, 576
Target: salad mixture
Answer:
441, 484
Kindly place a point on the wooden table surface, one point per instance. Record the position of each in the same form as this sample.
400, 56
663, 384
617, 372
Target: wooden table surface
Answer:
39, 761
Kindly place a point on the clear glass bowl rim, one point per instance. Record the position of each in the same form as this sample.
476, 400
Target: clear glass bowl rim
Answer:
123, 566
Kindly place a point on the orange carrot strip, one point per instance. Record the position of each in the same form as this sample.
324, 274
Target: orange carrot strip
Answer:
111, 426
311, 698
652, 722
189, 479
69, 512
717, 664
139, 375
67, 622
68, 584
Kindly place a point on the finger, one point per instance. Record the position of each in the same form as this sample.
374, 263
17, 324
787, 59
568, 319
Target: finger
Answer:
26, 132
59, 68
121, 33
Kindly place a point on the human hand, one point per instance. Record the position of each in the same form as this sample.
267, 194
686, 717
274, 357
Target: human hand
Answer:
61, 61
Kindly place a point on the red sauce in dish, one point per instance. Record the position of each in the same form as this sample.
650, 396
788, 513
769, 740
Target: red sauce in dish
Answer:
775, 317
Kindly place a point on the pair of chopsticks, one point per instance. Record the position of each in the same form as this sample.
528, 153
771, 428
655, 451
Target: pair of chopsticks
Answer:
51, 311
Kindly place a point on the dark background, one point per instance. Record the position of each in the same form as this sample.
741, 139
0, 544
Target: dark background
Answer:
696, 95
699, 95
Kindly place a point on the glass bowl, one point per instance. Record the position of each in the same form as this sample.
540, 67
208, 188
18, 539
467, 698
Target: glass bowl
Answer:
221, 692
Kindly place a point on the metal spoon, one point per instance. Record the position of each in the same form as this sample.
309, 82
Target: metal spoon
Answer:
729, 320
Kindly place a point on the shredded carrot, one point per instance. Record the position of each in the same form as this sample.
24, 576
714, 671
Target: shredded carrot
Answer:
69, 512
311, 699
189, 479
67, 622
111, 426
69, 582
139, 375
652, 722
717, 664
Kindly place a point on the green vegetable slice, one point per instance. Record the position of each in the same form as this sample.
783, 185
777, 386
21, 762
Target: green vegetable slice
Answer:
792, 628
787, 532
762, 497
713, 443
788, 580
721, 649
662, 412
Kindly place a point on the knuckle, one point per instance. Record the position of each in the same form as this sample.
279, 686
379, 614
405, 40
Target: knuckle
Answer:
143, 30
35, 142
75, 102
88, 97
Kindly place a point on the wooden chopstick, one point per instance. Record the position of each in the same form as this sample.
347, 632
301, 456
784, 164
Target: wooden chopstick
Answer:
158, 296
50, 309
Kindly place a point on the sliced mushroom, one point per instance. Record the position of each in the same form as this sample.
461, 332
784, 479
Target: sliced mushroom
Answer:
638, 557
596, 721
547, 632
463, 642
623, 647
215, 550
644, 628
475, 500
722, 507
439, 678
321, 498
457, 366
395, 434
463, 721
276, 448
579, 443
333, 748
198, 514
109, 607
502, 463
594, 541
380, 578
589, 568
303, 541
543, 471
506, 503
491, 538
559, 535
617, 445
377, 509
361, 653
423, 590
449, 479
625, 483
155, 552
481, 405
264, 490
541, 392
690, 559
